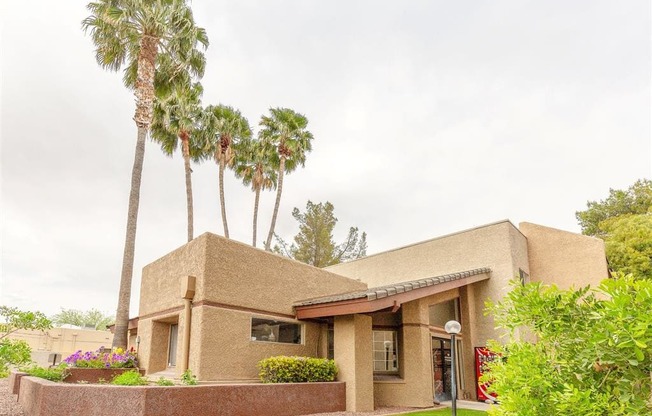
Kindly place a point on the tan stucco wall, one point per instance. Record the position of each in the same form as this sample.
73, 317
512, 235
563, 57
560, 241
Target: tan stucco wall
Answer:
64, 341
353, 349
499, 246
564, 258
234, 282
227, 353
238, 274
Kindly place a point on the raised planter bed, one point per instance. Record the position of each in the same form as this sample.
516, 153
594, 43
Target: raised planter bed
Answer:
14, 381
95, 375
40, 397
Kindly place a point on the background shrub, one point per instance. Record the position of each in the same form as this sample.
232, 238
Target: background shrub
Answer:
284, 369
130, 378
52, 374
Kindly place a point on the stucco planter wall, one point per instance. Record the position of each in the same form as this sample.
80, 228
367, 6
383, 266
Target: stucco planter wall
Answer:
41, 397
94, 375
14, 381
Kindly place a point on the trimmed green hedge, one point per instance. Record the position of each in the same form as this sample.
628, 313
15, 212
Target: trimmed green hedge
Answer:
284, 369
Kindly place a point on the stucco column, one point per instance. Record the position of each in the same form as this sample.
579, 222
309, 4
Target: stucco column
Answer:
417, 352
353, 356
187, 293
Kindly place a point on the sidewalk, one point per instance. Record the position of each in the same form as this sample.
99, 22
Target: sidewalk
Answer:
465, 404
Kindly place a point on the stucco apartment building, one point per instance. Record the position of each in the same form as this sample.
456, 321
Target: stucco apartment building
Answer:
218, 307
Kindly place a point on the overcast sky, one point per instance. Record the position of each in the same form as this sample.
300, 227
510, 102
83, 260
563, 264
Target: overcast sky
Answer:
428, 116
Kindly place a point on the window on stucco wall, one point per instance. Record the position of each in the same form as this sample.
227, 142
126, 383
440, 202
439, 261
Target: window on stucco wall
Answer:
385, 350
270, 330
443, 312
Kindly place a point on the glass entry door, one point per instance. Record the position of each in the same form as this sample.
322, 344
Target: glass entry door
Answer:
172, 351
441, 363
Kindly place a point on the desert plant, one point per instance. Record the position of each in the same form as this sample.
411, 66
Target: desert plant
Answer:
129, 378
284, 369
188, 378
164, 382
56, 374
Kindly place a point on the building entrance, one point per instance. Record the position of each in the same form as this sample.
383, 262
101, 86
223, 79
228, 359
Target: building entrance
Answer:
441, 363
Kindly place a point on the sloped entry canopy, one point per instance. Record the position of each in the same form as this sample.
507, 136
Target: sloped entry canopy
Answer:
386, 297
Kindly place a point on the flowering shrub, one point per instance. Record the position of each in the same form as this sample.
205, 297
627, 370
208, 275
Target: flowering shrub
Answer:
98, 359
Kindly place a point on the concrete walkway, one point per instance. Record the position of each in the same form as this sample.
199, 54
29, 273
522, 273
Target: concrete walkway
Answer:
465, 404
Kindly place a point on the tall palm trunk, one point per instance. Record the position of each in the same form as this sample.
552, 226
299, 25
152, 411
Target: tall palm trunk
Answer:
256, 201
222, 202
143, 117
185, 150
279, 189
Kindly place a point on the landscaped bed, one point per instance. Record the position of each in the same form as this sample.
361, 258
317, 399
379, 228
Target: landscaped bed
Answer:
40, 397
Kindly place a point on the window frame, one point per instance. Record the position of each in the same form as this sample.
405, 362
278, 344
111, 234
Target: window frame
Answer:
301, 326
396, 356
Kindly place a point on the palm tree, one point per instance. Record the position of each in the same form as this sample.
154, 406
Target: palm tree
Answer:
176, 119
286, 129
225, 129
255, 166
143, 37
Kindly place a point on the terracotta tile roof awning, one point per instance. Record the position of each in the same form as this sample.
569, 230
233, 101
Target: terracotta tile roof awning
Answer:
383, 297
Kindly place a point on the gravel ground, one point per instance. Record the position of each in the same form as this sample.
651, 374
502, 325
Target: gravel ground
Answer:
8, 404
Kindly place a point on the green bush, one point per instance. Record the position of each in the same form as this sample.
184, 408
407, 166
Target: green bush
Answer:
284, 369
130, 378
53, 374
13, 353
164, 382
188, 378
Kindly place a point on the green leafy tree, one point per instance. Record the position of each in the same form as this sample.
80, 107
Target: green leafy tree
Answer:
156, 42
287, 130
629, 244
92, 318
17, 352
624, 222
593, 354
254, 164
637, 199
225, 129
314, 243
176, 121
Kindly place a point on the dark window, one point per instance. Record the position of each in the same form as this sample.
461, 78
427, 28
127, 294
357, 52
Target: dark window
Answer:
443, 312
270, 330
331, 342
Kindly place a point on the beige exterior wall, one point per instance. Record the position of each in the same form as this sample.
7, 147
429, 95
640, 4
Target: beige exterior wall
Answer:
499, 246
64, 341
234, 282
231, 354
563, 258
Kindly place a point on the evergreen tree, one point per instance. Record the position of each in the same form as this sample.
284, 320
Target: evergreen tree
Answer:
314, 243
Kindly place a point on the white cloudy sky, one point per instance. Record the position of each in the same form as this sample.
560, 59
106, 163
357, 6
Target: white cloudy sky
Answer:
428, 117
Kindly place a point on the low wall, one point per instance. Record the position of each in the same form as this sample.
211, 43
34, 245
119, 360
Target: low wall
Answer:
14, 381
40, 397
94, 375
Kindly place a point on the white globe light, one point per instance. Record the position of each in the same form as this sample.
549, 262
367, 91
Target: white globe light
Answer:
453, 327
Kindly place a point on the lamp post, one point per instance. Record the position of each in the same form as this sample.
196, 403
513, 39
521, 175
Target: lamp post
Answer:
453, 328
388, 345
